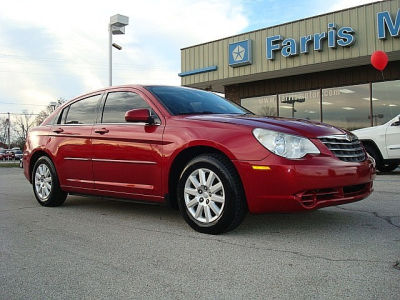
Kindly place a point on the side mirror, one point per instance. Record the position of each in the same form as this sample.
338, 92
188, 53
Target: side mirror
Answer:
141, 115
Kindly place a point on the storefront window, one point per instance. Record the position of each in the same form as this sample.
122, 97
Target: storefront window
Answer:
262, 106
301, 105
347, 107
385, 101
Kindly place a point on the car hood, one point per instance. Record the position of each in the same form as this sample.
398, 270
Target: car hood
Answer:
367, 133
300, 127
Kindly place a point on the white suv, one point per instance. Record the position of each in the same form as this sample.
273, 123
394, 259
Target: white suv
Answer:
383, 144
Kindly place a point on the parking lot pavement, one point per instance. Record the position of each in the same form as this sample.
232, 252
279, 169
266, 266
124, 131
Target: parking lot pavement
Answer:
98, 248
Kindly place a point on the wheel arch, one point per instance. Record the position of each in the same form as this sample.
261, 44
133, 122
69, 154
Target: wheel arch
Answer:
179, 163
371, 143
34, 157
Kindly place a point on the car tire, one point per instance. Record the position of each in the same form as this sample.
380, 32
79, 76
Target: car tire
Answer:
387, 167
210, 194
46, 186
380, 164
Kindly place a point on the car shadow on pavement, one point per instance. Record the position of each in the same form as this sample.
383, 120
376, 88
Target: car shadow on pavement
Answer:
394, 173
323, 221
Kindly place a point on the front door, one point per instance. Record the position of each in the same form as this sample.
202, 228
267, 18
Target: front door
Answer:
127, 156
393, 138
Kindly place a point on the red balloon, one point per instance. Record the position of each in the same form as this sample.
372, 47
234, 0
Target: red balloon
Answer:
379, 60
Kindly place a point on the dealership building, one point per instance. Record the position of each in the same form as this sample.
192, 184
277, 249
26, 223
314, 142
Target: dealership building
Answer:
318, 68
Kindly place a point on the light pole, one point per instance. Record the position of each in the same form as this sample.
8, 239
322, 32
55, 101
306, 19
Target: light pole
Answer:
116, 26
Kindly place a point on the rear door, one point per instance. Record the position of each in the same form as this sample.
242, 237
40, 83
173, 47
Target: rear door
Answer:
71, 145
127, 156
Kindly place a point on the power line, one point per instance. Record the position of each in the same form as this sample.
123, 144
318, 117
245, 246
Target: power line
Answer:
19, 114
14, 103
98, 65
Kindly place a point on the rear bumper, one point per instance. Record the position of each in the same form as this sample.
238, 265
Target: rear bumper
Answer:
307, 184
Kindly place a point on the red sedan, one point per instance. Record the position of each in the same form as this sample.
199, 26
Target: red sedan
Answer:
202, 153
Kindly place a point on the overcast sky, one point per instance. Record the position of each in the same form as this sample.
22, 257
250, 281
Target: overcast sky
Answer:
51, 49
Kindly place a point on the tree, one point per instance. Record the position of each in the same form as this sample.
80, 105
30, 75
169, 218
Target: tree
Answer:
3, 130
268, 110
47, 111
22, 124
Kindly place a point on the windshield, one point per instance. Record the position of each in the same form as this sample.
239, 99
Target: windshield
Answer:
186, 101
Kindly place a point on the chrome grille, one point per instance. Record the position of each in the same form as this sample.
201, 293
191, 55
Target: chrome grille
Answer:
345, 147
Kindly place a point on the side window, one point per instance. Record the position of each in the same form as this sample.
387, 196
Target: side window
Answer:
118, 103
83, 111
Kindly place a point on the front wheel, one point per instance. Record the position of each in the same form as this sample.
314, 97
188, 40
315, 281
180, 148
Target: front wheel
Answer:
387, 167
380, 164
45, 183
210, 194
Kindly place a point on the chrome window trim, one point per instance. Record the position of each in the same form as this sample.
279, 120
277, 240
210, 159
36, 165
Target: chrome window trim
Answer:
129, 123
61, 125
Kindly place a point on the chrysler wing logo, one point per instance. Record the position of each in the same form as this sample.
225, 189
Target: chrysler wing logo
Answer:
351, 137
240, 53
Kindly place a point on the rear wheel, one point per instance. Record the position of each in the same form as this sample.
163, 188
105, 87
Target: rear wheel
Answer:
210, 195
45, 183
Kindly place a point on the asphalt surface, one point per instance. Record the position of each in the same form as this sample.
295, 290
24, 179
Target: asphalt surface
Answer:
93, 248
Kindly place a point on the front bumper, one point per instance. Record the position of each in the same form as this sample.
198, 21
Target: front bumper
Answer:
306, 184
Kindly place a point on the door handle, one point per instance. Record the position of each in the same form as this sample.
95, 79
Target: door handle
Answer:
58, 130
101, 130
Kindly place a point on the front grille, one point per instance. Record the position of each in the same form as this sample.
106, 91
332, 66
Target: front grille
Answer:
343, 148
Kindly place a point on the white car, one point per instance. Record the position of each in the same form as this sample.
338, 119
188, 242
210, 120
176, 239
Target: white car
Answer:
383, 144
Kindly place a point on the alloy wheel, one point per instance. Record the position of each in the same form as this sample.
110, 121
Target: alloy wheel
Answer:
43, 182
204, 196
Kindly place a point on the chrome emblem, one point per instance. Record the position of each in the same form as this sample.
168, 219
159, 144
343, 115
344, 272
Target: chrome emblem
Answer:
350, 137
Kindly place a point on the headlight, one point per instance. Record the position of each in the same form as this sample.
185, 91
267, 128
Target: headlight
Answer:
285, 145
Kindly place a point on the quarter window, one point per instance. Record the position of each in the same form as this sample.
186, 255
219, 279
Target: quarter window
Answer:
118, 103
83, 111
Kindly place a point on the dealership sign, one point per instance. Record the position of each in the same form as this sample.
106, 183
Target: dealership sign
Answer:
385, 21
290, 47
240, 52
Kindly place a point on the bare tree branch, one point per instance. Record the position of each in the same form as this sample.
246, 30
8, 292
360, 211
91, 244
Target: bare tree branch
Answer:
47, 111
3, 130
22, 124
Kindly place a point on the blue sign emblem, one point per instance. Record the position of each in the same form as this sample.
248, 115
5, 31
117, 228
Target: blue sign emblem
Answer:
240, 53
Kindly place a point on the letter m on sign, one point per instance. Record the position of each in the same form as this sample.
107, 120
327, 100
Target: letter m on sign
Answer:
385, 21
